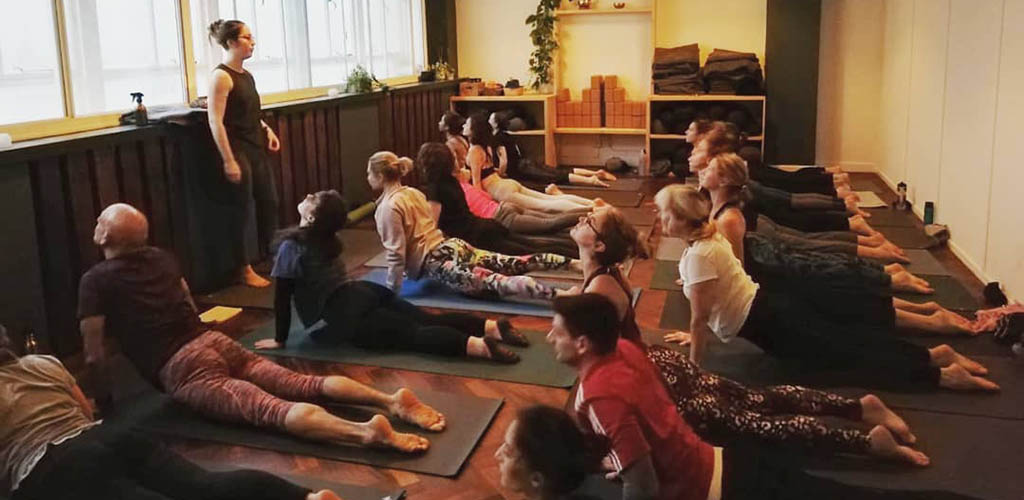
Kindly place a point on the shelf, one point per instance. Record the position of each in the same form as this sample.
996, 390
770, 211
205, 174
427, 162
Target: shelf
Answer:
528, 132
600, 131
584, 12
705, 97
502, 98
679, 137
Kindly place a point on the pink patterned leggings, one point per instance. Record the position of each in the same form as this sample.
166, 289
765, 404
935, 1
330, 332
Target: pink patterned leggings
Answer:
219, 378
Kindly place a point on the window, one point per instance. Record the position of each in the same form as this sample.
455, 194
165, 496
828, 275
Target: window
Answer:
266, 21
30, 78
116, 47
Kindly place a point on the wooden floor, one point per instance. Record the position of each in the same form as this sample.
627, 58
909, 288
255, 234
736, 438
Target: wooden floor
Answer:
479, 478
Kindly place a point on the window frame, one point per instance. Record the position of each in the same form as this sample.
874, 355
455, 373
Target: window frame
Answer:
72, 123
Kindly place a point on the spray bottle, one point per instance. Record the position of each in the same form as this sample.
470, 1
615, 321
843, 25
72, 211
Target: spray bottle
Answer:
141, 116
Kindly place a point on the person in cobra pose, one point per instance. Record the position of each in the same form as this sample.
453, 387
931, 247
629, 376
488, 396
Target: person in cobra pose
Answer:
415, 246
721, 409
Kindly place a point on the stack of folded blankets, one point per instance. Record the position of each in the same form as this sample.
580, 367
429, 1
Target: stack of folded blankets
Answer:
677, 70
728, 72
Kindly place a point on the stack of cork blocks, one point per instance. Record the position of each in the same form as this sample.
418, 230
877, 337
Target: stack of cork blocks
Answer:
603, 104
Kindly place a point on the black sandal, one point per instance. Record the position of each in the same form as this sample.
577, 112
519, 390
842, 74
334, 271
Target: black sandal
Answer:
499, 353
510, 335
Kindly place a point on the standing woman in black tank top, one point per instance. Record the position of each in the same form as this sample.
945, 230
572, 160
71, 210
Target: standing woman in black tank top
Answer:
234, 115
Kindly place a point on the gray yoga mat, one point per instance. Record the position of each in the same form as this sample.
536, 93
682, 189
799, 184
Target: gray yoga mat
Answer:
468, 418
537, 365
907, 237
891, 217
949, 293
923, 262
346, 491
972, 456
617, 198
639, 216
666, 272
670, 248
676, 313
981, 345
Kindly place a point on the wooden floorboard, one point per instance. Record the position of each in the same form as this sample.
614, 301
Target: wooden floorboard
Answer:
479, 478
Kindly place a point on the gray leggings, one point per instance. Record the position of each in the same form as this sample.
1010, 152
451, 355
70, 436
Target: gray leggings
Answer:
844, 242
525, 221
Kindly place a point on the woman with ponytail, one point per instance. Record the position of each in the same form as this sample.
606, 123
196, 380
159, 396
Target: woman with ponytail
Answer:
417, 248
242, 138
309, 269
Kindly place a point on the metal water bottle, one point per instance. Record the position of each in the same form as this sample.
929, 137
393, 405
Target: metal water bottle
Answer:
901, 193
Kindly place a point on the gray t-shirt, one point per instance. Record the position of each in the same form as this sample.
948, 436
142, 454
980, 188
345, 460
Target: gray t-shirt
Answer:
37, 408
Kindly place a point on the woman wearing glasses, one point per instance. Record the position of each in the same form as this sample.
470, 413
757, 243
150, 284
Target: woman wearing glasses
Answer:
238, 131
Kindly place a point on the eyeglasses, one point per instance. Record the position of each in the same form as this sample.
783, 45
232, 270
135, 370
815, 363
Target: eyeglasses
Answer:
589, 219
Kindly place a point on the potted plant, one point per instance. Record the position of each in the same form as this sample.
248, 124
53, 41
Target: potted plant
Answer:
361, 81
544, 43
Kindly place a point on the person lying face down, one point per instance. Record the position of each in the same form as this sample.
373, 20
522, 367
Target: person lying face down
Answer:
51, 447
652, 449
309, 268
139, 297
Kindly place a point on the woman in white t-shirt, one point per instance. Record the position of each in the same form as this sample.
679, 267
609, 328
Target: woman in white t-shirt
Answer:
726, 303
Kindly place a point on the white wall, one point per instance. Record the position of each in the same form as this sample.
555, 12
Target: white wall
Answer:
949, 115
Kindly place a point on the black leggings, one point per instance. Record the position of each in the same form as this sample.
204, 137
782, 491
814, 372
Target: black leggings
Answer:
806, 180
528, 171
373, 317
803, 220
111, 464
791, 327
754, 474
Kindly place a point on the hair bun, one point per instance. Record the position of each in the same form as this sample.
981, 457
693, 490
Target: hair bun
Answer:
214, 28
405, 165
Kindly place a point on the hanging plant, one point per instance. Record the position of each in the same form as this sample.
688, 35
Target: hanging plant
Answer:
544, 42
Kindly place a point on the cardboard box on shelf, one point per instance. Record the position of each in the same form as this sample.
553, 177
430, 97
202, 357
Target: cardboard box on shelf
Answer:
595, 81
588, 95
595, 108
611, 81
564, 95
562, 107
618, 94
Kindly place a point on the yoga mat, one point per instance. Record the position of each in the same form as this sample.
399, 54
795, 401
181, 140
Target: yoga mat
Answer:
676, 313
972, 456
345, 491
381, 261
666, 272
621, 184
907, 237
980, 345
537, 365
468, 418
923, 262
949, 293
617, 198
890, 217
670, 248
868, 199
359, 245
639, 216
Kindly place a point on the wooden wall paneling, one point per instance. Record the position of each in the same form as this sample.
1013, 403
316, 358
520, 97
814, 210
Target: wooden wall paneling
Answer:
322, 138
131, 175
155, 169
60, 278
177, 201
105, 172
82, 201
400, 123
333, 149
274, 162
22, 304
298, 155
309, 134
287, 187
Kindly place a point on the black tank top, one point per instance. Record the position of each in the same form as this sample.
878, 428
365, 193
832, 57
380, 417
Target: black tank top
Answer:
628, 328
242, 112
749, 215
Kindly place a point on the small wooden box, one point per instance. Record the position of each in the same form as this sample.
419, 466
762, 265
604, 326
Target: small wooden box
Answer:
595, 81
564, 95
611, 81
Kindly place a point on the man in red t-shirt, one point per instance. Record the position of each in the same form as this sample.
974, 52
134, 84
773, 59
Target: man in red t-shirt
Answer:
621, 396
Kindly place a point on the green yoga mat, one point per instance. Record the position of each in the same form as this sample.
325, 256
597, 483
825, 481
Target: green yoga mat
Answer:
949, 293
537, 365
676, 313
907, 237
468, 418
670, 248
666, 273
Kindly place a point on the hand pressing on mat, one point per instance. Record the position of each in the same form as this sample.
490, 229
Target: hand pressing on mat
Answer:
679, 337
268, 344
406, 406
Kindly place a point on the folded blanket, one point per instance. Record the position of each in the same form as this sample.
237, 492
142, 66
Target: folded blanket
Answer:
729, 55
681, 54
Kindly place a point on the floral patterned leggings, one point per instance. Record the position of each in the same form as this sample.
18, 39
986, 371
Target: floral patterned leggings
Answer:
477, 272
721, 408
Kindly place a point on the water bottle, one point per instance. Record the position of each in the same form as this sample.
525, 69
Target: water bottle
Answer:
929, 212
31, 347
901, 192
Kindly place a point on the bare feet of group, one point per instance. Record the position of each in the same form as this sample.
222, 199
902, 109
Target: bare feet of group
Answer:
407, 407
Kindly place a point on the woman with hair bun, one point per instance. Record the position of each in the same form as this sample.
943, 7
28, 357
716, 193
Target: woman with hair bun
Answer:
415, 246
241, 138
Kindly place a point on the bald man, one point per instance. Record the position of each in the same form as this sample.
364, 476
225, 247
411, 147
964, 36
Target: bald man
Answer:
139, 297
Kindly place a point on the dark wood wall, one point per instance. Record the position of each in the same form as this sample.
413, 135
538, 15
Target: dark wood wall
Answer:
52, 191
791, 80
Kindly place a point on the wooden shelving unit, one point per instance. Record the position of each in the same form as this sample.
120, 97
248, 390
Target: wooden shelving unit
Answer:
600, 131
588, 12
503, 98
706, 97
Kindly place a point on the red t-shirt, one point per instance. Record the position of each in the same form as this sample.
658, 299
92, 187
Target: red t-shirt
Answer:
622, 397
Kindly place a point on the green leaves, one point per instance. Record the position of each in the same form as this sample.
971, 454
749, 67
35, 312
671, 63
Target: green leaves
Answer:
544, 44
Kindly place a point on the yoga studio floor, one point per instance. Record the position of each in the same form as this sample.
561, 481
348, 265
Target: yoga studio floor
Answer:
479, 478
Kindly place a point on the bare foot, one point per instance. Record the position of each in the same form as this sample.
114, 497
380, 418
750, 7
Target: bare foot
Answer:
955, 377
594, 181
952, 323
605, 175
875, 240
944, 356
883, 445
874, 412
846, 192
409, 408
678, 282
384, 436
248, 277
323, 495
906, 282
553, 189
598, 203
894, 268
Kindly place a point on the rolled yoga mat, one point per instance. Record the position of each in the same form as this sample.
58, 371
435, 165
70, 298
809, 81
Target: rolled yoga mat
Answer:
427, 293
468, 418
537, 365
670, 248
949, 293
360, 245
